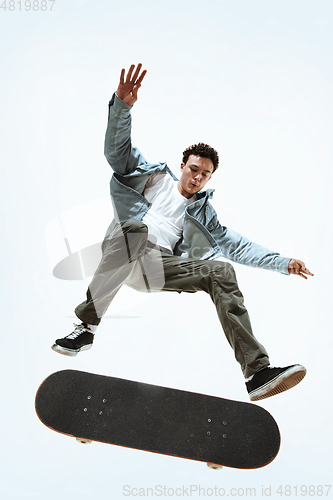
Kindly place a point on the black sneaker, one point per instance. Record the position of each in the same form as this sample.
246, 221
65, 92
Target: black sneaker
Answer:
271, 381
80, 339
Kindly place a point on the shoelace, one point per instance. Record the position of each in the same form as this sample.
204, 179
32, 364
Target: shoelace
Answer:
77, 331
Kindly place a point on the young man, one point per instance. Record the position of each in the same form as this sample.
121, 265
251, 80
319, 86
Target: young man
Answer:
164, 237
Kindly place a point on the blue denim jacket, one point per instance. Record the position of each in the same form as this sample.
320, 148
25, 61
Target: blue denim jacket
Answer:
203, 235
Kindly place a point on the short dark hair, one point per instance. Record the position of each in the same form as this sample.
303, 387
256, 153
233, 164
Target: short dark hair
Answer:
204, 151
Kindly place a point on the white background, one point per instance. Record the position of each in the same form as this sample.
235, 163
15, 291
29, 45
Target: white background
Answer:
252, 78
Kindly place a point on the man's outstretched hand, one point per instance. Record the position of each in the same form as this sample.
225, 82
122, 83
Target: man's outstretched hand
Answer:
128, 88
298, 267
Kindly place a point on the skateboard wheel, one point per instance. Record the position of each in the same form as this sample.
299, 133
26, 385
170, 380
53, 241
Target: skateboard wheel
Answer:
84, 441
214, 466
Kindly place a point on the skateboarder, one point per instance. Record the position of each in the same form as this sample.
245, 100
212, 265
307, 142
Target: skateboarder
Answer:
164, 237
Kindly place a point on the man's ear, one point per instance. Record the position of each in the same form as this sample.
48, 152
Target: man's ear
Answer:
182, 165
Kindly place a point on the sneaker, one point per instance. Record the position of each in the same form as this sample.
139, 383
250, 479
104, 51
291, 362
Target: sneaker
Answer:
80, 339
271, 381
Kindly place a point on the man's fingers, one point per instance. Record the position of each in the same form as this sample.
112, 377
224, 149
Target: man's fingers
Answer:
122, 76
305, 271
128, 86
143, 74
133, 78
302, 270
298, 267
136, 73
129, 74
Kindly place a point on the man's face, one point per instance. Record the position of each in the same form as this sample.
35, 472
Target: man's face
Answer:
195, 174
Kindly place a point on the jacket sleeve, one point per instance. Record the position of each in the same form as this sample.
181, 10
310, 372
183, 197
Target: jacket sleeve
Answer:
118, 149
239, 249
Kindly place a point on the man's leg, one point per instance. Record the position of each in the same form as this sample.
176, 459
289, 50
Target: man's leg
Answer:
218, 279
125, 245
123, 248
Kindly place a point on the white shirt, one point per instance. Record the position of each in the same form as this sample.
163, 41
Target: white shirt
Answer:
164, 219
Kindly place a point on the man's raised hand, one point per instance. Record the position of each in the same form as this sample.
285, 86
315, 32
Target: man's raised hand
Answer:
128, 87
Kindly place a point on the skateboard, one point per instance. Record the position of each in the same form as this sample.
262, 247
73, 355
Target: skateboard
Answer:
168, 421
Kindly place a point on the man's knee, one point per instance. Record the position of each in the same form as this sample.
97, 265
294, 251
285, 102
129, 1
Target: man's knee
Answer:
134, 226
224, 270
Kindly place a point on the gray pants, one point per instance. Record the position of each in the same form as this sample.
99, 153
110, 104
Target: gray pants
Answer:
128, 260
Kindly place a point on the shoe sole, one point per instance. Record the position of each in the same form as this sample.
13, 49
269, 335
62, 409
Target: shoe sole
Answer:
279, 384
70, 352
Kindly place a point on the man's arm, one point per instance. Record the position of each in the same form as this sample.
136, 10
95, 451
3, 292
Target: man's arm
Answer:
118, 149
239, 249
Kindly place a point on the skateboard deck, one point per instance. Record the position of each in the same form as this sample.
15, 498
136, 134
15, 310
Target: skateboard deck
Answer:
158, 419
